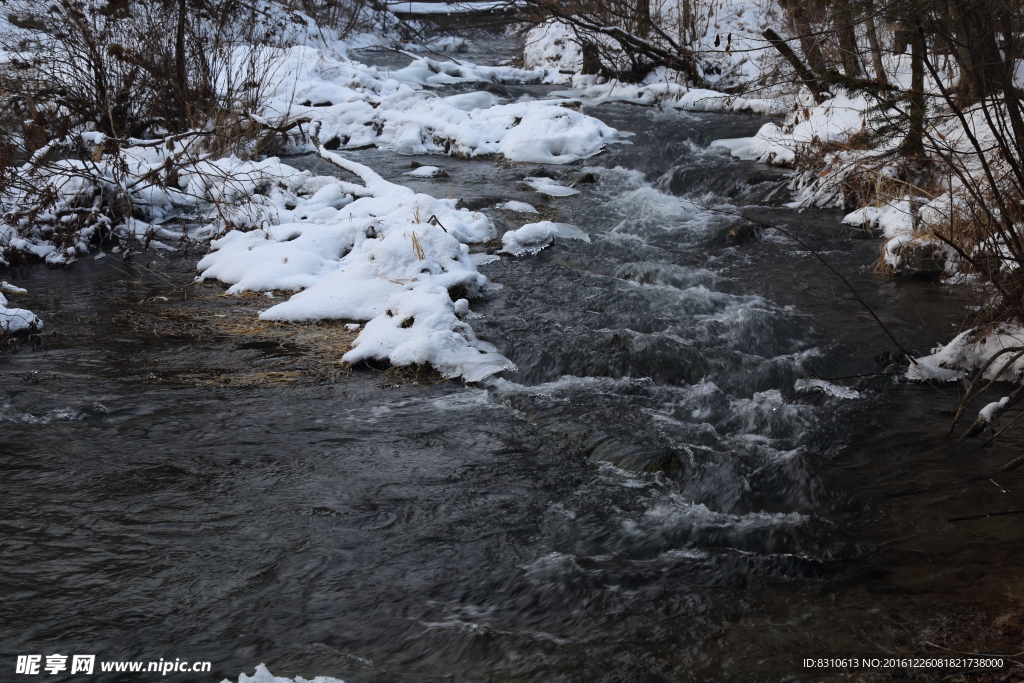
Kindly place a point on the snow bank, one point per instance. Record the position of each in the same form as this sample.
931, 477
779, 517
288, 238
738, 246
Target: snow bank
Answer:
893, 218
973, 349
16, 319
834, 121
391, 258
662, 87
553, 47
358, 106
533, 237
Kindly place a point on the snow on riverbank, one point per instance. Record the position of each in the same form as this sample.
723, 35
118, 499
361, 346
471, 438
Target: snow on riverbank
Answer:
382, 254
361, 106
392, 258
729, 53
356, 106
15, 319
376, 253
973, 349
660, 88
836, 120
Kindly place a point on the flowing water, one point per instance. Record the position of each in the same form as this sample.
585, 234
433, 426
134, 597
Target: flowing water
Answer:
647, 499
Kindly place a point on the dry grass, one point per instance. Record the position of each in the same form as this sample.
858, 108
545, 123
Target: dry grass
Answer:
234, 340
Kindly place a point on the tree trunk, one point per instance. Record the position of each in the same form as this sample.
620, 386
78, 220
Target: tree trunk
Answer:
847, 39
977, 50
1010, 97
591, 60
810, 44
913, 145
642, 18
802, 71
180, 75
876, 50
688, 30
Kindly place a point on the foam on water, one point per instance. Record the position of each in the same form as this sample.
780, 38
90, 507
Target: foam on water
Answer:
645, 211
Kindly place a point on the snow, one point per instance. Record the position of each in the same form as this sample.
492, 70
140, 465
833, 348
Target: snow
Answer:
472, 100
262, 675
972, 349
533, 237
513, 205
388, 258
428, 8
833, 121
552, 45
661, 87
421, 326
989, 411
894, 218
361, 106
16, 319
740, 59
427, 172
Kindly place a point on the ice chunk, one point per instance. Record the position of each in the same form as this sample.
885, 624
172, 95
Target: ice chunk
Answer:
550, 187
263, 675
533, 237
827, 387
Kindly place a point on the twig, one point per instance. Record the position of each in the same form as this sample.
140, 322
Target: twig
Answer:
990, 514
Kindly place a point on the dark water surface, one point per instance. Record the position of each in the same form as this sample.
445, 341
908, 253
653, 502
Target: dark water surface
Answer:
643, 501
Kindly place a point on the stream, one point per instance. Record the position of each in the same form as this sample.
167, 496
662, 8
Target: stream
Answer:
647, 499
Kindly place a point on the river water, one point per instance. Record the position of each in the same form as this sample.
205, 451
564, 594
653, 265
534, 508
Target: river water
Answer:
646, 499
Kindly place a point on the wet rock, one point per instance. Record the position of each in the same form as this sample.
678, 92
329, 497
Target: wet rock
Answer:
539, 173
667, 463
477, 203
741, 234
498, 90
890, 361
987, 263
921, 261
582, 178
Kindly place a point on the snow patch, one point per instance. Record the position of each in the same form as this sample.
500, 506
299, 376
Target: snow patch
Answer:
520, 207
973, 349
